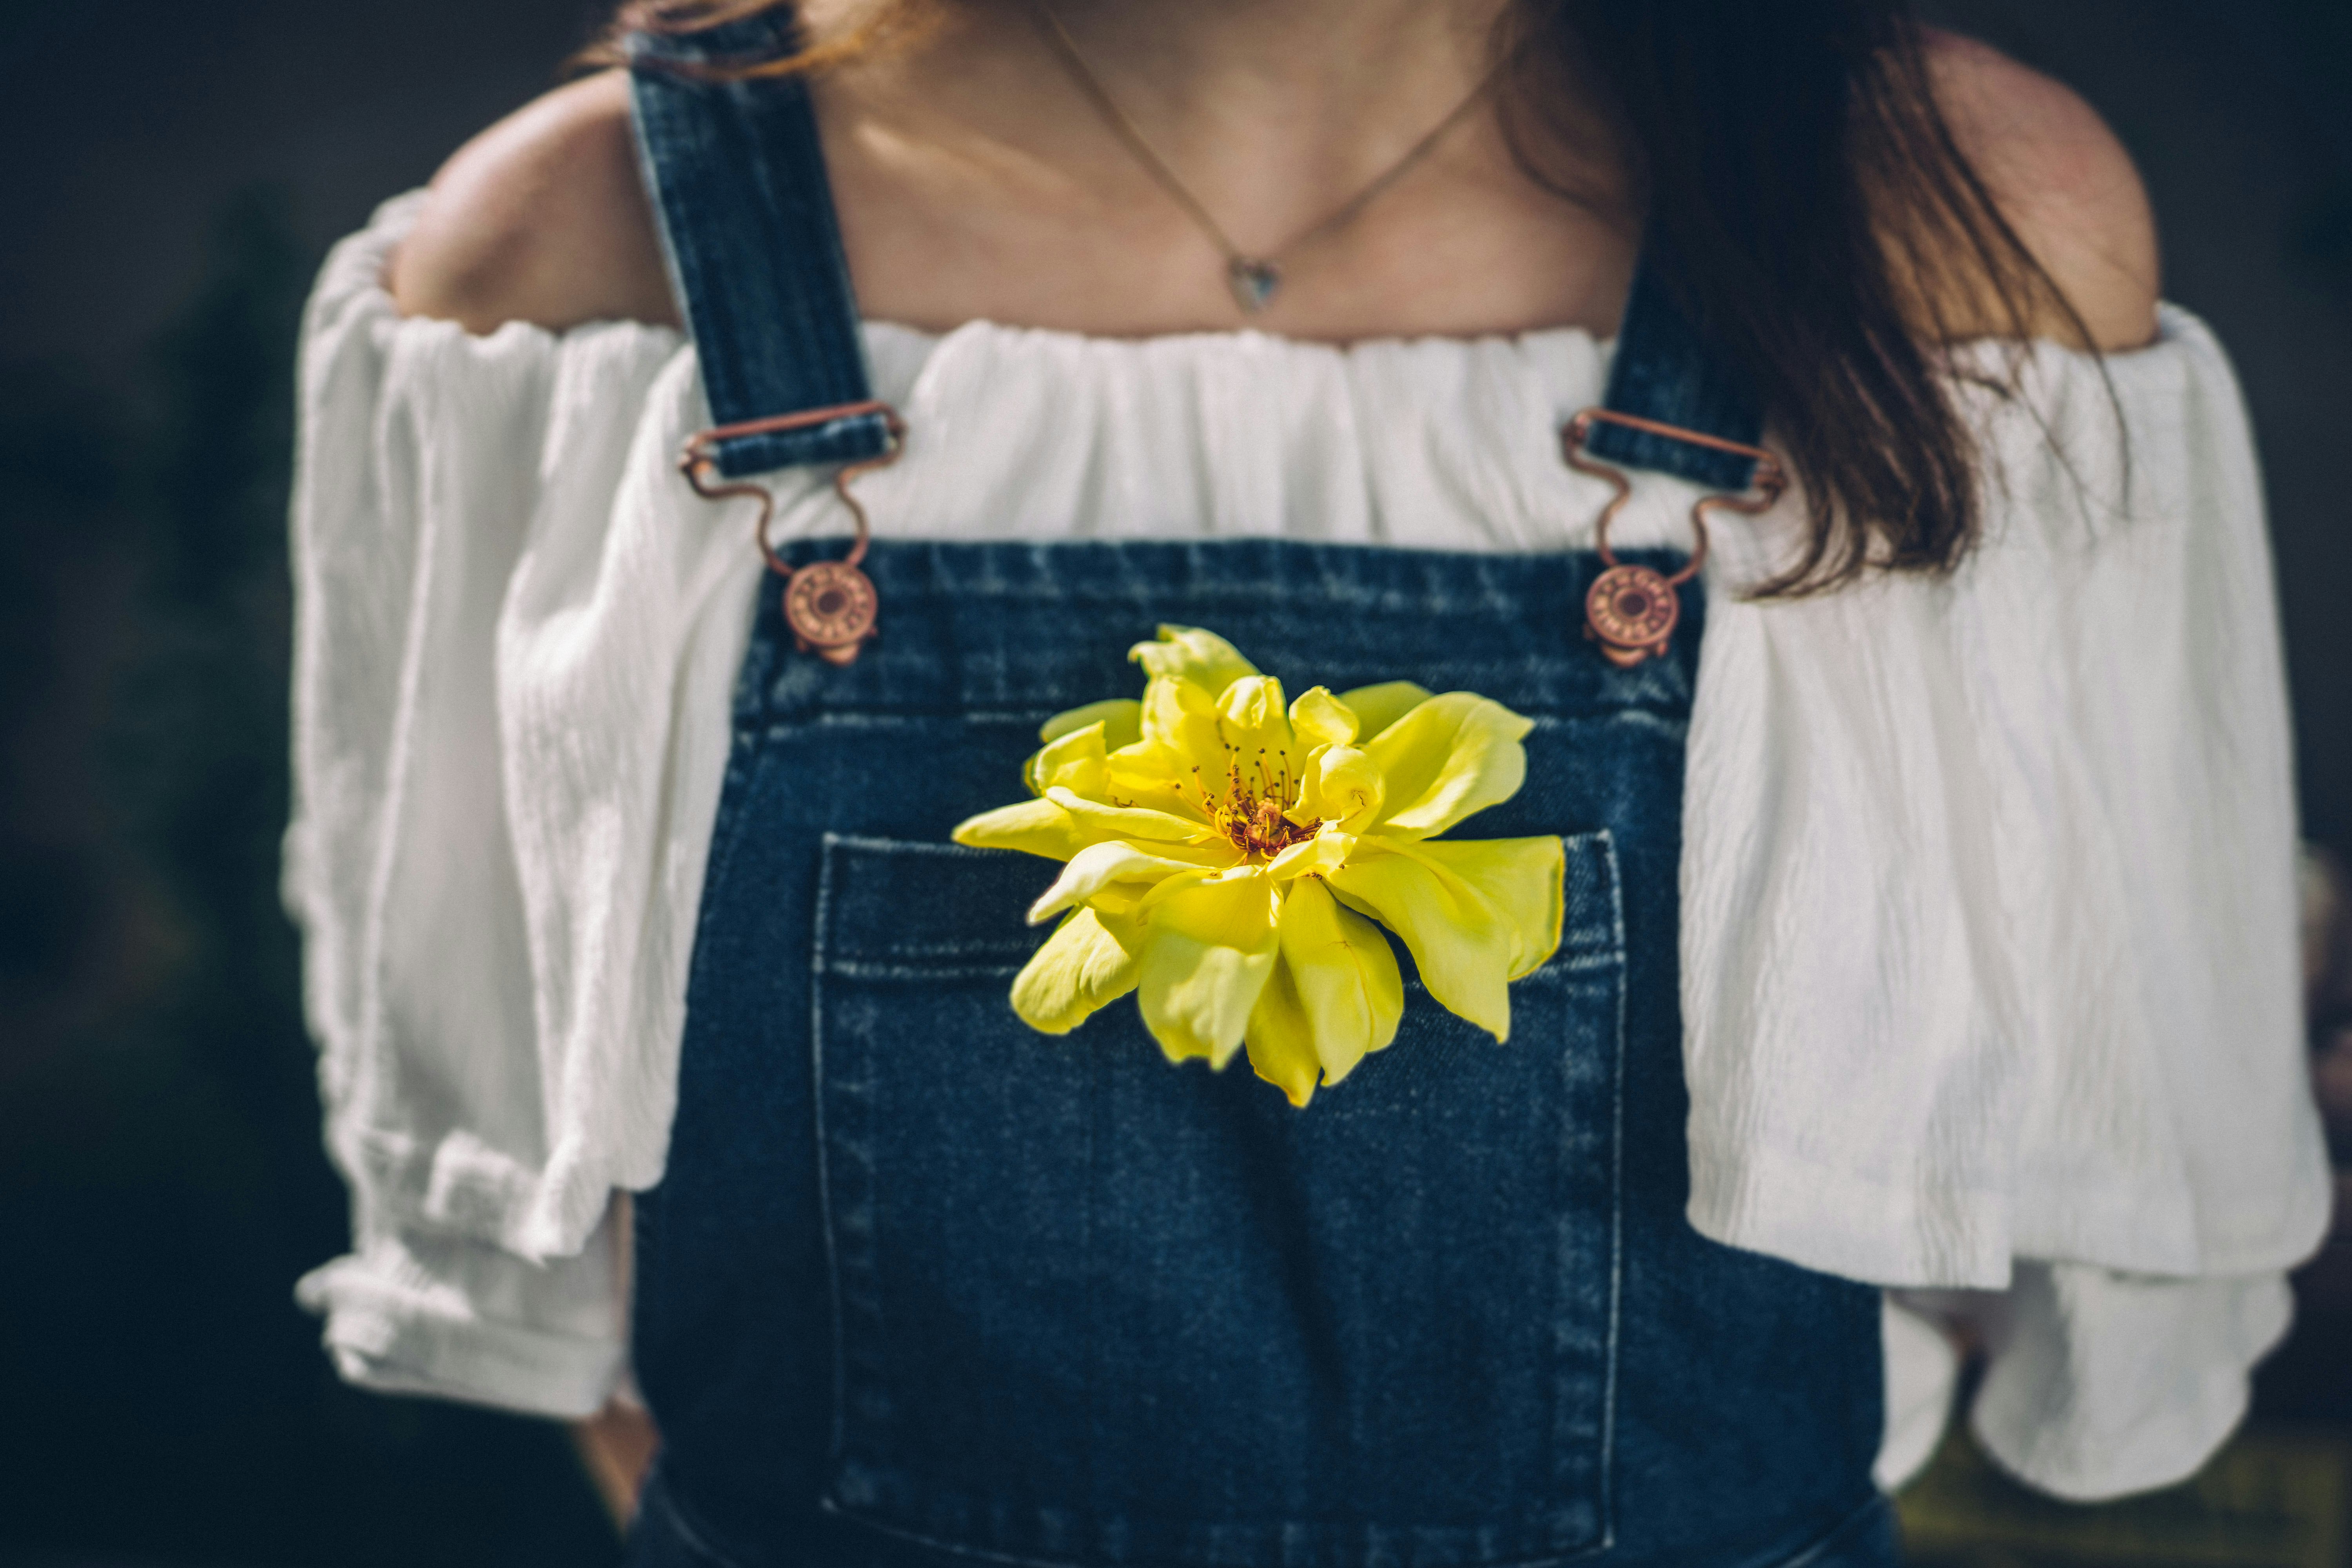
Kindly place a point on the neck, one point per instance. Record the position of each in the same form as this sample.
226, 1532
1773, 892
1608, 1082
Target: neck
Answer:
1269, 111
978, 177
1301, 60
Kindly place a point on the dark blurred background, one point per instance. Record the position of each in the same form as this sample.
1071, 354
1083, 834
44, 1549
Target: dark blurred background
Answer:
172, 173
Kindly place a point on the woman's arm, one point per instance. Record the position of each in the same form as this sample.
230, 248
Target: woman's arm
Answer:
541, 218
2064, 184
617, 1445
544, 219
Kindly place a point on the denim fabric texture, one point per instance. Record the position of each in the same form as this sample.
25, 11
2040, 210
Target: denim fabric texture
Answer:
739, 172
921, 1287
1664, 372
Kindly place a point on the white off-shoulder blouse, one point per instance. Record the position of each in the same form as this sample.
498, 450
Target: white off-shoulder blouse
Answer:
1989, 980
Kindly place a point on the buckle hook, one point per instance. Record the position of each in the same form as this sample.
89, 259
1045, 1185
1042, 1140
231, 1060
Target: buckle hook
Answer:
1632, 611
831, 605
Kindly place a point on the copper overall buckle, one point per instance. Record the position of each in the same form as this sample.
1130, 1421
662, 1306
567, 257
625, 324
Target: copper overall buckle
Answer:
1632, 611
831, 605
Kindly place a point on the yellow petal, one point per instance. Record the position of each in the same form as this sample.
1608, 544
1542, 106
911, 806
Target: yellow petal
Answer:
1281, 1039
1181, 752
1319, 718
1173, 708
1098, 866
1343, 788
1378, 707
1209, 945
1312, 856
1073, 760
1098, 822
1190, 653
1032, 827
1520, 879
1083, 966
1345, 976
1464, 947
1253, 721
1451, 756
1253, 707
1121, 718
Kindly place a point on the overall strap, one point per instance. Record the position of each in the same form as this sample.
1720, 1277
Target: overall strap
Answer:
1666, 372
1678, 406
738, 177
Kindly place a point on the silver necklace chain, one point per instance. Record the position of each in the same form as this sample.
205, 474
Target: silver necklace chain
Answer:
1255, 279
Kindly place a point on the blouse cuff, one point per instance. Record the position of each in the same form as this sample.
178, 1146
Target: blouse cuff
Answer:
2097, 1384
2101, 1383
457, 1320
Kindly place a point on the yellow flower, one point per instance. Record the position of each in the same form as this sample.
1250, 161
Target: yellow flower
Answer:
1226, 850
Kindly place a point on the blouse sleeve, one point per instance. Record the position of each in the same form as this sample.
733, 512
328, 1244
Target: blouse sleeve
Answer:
452, 562
1989, 940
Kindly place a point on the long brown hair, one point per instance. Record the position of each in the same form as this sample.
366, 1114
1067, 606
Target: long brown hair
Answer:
1821, 228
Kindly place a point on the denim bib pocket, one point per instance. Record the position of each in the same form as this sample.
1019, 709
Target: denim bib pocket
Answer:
1084, 1304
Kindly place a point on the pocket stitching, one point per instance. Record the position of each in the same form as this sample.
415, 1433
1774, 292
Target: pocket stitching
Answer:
1608, 1478
837, 1446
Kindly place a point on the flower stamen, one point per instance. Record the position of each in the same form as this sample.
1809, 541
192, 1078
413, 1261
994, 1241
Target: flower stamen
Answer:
1252, 819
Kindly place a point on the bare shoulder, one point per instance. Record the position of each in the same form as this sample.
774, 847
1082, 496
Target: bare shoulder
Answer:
541, 218
2063, 180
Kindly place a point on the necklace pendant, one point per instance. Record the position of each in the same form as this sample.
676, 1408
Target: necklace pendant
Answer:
1254, 282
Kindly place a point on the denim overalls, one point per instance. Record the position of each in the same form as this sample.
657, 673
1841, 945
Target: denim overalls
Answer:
922, 1287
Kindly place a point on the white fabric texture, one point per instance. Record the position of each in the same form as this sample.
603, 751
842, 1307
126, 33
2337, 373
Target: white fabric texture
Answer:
1989, 913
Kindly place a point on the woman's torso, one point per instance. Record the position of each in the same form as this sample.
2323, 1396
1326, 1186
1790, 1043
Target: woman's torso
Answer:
919, 1285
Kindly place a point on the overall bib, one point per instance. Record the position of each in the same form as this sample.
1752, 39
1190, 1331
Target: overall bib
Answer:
921, 1287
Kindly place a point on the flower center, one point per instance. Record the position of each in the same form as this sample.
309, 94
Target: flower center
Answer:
1251, 813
